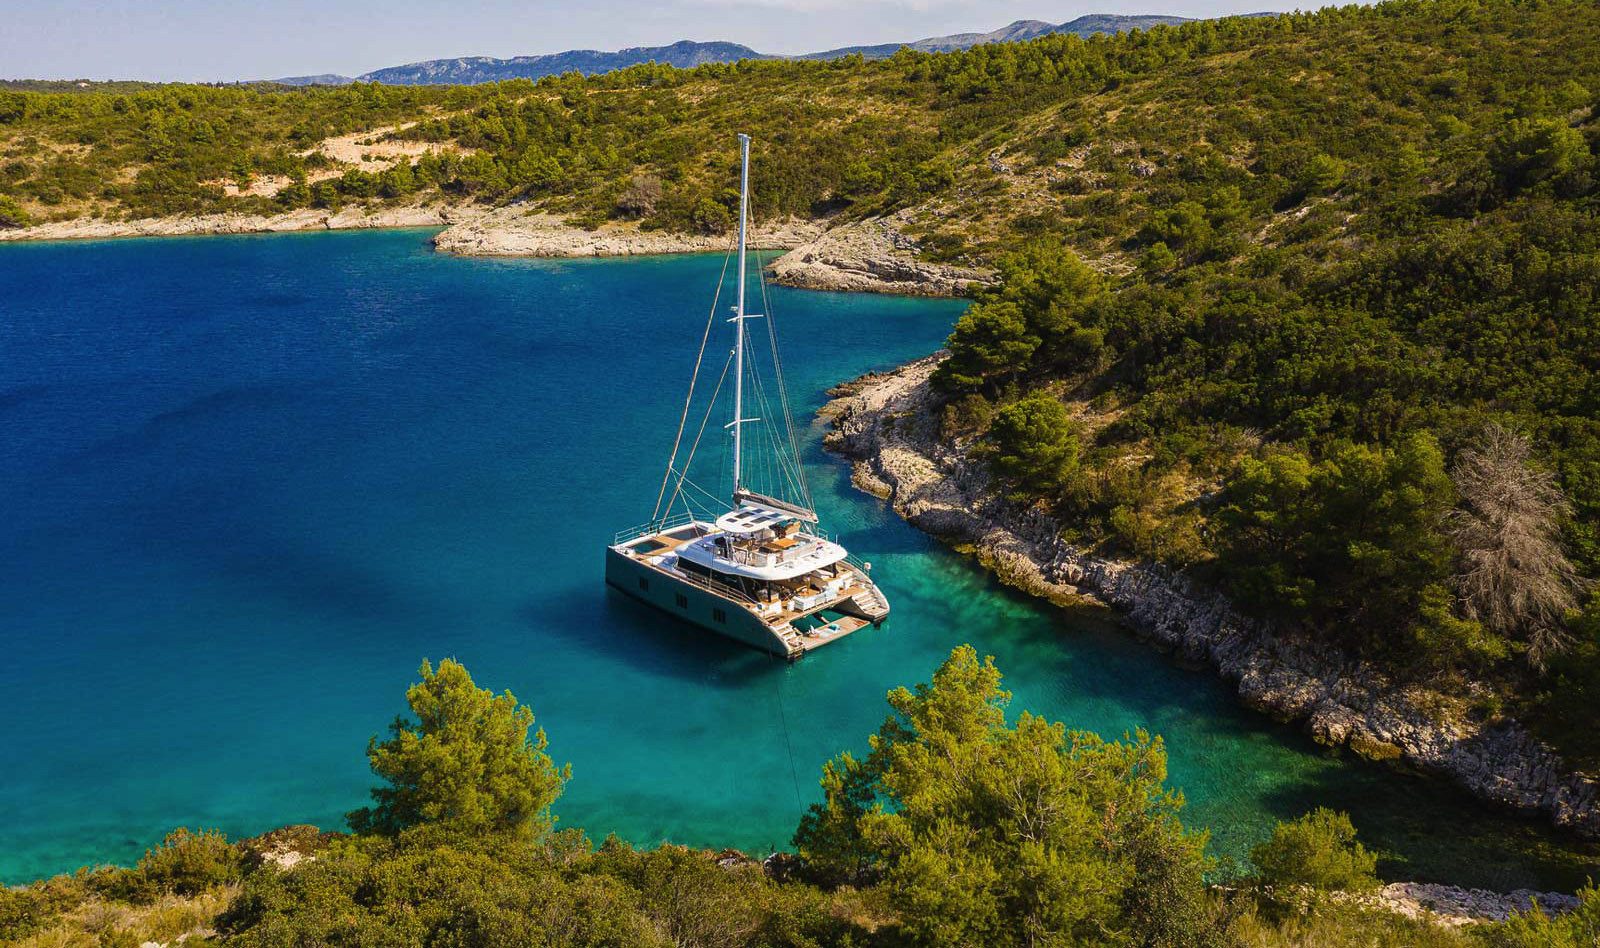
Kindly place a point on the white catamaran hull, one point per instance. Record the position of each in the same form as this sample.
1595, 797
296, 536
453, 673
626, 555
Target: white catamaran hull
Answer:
726, 614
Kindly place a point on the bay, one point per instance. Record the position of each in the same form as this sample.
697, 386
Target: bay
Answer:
248, 484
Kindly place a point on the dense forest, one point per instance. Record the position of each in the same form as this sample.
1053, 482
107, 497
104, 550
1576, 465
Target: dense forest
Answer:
1308, 305
1347, 361
959, 828
1090, 140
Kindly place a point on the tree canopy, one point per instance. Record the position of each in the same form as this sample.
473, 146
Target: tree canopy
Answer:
987, 833
958, 829
466, 761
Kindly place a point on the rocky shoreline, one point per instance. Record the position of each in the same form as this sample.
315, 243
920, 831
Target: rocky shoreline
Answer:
350, 218
883, 423
870, 256
1453, 906
515, 232
859, 257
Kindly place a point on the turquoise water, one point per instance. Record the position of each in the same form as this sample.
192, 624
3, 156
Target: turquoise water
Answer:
248, 484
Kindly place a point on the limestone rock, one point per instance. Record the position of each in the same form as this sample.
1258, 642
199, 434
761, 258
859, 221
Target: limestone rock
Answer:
514, 232
872, 256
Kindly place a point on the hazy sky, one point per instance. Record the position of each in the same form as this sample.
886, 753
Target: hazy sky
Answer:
208, 40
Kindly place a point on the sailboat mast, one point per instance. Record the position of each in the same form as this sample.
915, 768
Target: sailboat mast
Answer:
738, 318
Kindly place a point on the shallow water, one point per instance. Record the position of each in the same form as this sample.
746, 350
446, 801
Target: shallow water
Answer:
248, 484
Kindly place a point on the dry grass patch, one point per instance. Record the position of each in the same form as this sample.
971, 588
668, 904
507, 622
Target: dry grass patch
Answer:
101, 924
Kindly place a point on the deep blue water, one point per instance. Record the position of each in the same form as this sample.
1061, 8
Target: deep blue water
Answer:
248, 484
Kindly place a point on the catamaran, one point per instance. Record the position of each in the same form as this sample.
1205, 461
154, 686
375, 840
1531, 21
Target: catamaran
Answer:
759, 569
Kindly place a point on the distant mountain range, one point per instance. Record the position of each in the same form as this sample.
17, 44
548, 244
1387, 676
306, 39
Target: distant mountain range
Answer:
474, 69
469, 70
1017, 32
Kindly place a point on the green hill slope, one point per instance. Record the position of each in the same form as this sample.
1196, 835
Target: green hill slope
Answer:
1337, 346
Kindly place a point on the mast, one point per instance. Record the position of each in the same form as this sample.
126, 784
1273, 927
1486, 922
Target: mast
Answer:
738, 318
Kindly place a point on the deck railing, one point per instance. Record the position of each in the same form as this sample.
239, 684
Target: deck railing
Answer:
652, 526
858, 565
716, 586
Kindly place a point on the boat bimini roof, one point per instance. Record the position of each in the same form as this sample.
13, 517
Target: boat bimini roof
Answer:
747, 519
714, 552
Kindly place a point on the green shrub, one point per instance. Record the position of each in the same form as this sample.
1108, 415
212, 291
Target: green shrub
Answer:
1323, 173
979, 832
711, 217
185, 864
25, 910
1537, 929
1318, 851
1036, 443
12, 214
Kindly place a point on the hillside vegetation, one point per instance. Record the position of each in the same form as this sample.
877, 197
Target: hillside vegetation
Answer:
1082, 138
1308, 304
960, 828
1342, 352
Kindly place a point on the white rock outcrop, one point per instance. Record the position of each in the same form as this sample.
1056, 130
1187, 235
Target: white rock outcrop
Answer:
872, 256
515, 232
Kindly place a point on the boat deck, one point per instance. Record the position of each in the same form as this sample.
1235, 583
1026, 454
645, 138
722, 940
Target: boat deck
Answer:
830, 633
649, 550
789, 615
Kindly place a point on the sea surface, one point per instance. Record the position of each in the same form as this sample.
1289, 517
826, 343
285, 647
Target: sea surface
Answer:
248, 484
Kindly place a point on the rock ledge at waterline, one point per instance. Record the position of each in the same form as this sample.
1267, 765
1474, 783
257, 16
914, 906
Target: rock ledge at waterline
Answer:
870, 256
885, 425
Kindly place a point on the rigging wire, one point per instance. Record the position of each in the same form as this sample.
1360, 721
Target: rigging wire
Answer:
689, 399
709, 406
783, 475
783, 392
689, 482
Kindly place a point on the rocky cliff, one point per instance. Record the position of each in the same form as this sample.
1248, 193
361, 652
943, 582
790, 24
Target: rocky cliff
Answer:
885, 425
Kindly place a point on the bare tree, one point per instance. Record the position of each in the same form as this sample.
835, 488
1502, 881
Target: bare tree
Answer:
641, 195
1515, 576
